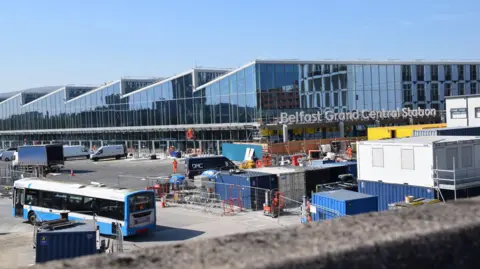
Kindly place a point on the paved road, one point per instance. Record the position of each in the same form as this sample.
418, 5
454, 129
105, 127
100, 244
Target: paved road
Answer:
126, 173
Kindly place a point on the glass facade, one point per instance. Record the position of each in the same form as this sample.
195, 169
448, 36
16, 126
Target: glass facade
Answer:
260, 90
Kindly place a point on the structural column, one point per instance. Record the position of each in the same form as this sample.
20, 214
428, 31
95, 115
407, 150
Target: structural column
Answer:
101, 143
218, 147
153, 145
139, 145
341, 128
91, 144
285, 133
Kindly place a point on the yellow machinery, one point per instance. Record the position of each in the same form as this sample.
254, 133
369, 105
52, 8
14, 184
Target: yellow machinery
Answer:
377, 133
247, 165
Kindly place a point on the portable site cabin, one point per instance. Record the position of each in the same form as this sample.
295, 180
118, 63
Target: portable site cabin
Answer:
421, 165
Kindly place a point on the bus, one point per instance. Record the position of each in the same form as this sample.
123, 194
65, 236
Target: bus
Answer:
133, 211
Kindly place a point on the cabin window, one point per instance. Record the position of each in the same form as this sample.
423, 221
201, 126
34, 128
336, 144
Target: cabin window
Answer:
377, 157
408, 159
458, 113
467, 158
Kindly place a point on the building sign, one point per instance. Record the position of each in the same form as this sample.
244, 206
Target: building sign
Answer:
362, 115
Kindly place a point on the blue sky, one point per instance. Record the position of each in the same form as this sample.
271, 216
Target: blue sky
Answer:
91, 41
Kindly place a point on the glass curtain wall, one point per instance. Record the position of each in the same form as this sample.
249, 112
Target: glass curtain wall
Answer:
231, 99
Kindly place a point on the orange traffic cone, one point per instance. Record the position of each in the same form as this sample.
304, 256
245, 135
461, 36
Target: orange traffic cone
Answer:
71, 173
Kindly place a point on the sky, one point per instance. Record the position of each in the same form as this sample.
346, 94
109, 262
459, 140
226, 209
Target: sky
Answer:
58, 42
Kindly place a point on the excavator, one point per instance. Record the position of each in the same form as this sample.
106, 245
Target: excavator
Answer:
272, 207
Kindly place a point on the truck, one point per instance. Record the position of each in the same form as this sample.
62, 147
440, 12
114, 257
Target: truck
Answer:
45, 158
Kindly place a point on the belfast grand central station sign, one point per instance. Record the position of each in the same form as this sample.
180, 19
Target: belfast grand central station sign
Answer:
354, 116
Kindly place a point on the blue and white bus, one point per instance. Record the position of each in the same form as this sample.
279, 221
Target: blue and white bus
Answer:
40, 200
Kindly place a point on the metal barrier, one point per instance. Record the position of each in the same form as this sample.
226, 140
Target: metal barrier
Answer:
8, 175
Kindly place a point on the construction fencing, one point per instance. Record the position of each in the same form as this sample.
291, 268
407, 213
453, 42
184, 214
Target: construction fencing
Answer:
8, 175
221, 198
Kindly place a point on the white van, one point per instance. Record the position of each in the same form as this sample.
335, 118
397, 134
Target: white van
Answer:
8, 154
113, 151
75, 152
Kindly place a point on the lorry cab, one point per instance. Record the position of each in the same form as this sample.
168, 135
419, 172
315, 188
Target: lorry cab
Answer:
112, 151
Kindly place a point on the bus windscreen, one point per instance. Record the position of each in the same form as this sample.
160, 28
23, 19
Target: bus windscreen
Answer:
141, 201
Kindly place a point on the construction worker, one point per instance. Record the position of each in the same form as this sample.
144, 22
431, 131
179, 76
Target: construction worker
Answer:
349, 152
174, 166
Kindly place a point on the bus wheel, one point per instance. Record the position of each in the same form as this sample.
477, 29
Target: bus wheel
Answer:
32, 218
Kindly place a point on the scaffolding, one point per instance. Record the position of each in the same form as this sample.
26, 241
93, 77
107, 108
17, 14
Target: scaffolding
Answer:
455, 179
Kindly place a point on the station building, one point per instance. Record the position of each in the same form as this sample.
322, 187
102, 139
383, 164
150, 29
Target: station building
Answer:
203, 107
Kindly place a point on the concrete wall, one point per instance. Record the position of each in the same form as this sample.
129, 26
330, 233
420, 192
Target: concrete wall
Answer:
434, 236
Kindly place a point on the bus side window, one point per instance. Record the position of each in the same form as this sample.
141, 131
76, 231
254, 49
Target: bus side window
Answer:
31, 197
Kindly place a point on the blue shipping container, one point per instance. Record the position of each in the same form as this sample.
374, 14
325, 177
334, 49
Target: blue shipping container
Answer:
338, 203
236, 152
77, 241
249, 187
393, 193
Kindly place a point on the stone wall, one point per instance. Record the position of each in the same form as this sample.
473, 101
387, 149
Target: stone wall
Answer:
434, 236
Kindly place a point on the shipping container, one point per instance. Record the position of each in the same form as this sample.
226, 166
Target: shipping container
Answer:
350, 166
392, 193
338, 203
80, 240
291, 183
321, 175
236, 152
450, 131
387, 132
250, 187
421, 161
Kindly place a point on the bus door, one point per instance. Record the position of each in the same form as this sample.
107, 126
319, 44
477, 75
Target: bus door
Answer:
18, 198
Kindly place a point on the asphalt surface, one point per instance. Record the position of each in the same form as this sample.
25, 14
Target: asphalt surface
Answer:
136, 174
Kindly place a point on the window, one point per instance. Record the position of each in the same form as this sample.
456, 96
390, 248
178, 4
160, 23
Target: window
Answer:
458, 113
477, 112
473, 72
31, 197
461, 89
109, 209
448, 72
406, 73
461, 72
53, 200
448, 89
407, 93
473, 88
467, 156
436, 106
452, 157
408, 161
434, 92
377, 157
421, 92
434, 72
141, 202
420, 73
75, 203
